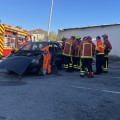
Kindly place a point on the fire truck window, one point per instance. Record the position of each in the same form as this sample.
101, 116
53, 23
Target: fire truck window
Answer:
27, 47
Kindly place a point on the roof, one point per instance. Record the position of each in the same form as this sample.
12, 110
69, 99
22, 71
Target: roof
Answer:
38, 31
15, 29
104, 25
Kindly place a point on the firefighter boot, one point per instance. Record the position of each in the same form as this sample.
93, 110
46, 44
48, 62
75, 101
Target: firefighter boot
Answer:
90, 75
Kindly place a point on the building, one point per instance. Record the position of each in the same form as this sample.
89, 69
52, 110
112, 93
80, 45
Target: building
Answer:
112, 30
38, 35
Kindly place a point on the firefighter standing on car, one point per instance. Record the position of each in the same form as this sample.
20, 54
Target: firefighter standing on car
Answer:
76, 60
68, 53
107, 50
87, 48
99, 55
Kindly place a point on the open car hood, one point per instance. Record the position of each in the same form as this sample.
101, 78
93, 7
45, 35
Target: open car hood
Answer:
17, 64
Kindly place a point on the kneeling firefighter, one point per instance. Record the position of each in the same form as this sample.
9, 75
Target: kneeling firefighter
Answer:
46, 60
87, 49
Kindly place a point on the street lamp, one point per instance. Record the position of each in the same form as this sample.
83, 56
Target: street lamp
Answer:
49, 23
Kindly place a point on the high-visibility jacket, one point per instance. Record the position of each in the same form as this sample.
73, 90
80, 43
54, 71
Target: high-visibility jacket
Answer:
86, 49
46, 59
77, 50
63, 43
68, 48
99, 47
108, 47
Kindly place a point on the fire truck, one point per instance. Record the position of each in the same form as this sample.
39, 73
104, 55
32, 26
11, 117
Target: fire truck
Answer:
12, 38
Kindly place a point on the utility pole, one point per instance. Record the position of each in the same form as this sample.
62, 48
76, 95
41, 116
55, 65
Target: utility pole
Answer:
49, 23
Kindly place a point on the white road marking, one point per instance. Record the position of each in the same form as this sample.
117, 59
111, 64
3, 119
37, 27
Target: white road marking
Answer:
92, 89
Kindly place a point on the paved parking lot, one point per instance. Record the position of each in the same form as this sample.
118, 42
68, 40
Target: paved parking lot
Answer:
65, 96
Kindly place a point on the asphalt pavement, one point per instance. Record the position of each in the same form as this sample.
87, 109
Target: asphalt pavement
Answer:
65, 96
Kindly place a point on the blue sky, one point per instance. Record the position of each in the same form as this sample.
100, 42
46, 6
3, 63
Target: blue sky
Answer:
33, 14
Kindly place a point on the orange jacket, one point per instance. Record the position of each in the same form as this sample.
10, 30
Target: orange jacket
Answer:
46, 60
99, 47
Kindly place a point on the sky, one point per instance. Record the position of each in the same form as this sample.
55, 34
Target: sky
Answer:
34, 14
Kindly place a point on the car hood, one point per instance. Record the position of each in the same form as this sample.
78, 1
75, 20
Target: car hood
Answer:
17, 64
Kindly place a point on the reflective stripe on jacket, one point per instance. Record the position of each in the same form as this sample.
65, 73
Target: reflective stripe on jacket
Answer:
67, 51
86, 50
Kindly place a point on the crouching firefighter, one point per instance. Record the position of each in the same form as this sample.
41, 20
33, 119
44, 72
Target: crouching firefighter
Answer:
68, 53
107, 50
87, 49
46, 66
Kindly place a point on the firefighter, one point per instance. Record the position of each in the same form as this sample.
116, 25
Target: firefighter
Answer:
107, 50
46, 67
76, 60
99, 55
68, 53
63, 45
87, 49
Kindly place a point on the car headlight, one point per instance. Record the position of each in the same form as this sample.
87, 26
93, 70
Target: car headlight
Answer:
35, 61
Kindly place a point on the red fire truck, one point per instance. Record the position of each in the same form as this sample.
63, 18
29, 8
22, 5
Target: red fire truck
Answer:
11, 38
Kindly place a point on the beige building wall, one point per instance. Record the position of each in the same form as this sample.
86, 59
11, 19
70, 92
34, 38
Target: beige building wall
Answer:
38, 37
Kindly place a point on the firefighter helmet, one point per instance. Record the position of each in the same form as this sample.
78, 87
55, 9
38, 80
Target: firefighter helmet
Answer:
105, 36
89, 37
98, 37
85, 38
73, 37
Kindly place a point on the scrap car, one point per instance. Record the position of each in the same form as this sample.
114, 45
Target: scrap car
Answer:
30, 58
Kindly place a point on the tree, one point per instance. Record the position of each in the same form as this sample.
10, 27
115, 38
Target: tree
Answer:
52, 36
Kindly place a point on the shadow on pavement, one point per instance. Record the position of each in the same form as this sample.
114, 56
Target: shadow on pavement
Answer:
2, 118
12, 83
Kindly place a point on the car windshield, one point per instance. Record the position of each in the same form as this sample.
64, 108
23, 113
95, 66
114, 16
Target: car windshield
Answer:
34, 46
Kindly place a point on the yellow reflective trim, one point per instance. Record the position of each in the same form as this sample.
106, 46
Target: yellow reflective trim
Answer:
67, 55
106, 56
1, 49
86, 57
83, 56
70, 48
101, 53
1, 53
21, 33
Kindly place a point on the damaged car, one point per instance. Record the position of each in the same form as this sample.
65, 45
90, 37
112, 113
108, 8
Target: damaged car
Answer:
30, 58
